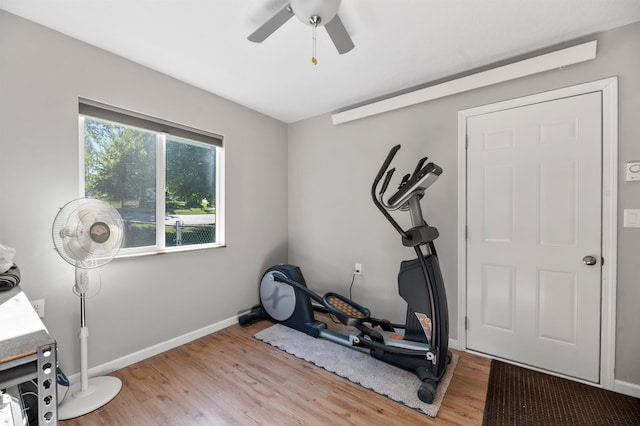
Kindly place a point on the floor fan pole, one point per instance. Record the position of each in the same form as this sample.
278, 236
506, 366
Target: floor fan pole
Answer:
93, 393
84, 353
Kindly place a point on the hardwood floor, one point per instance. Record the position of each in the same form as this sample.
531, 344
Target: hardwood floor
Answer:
229, 378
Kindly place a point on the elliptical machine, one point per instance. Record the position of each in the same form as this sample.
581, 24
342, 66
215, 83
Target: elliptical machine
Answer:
421, 344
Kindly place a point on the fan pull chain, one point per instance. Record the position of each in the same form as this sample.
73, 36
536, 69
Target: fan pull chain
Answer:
314, 22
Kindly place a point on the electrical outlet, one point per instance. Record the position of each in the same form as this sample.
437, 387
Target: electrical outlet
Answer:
38, 306
358, 269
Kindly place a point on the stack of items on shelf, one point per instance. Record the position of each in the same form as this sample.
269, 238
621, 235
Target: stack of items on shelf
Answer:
9, 271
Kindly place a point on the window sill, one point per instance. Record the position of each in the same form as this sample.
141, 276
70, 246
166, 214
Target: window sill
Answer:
169, 250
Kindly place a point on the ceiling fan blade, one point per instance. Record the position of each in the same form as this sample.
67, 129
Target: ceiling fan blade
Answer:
339, 35
272, 24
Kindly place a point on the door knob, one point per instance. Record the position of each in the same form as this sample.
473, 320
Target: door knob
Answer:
589, 260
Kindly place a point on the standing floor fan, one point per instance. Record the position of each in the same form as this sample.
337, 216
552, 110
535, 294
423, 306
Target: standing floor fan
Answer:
87, 233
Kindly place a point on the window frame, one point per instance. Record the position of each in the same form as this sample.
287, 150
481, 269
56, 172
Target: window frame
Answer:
161, 129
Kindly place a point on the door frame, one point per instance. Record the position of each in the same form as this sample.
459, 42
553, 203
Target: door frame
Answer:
609, 89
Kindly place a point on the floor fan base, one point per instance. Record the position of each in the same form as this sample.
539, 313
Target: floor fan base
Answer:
79, 402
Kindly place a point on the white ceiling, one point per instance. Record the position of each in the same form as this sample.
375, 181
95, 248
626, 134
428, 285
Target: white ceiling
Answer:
399, 44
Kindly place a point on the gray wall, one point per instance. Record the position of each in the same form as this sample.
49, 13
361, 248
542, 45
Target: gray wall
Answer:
333, 223
144, 300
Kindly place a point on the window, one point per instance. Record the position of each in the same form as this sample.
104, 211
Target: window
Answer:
163, 178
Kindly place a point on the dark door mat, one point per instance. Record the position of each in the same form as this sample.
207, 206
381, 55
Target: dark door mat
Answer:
519, 396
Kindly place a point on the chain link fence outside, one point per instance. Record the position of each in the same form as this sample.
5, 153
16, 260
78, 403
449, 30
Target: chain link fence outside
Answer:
183, 235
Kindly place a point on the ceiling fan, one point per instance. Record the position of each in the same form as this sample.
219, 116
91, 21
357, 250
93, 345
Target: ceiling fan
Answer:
316, 13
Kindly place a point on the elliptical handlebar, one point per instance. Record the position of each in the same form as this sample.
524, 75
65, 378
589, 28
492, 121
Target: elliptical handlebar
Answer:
385, 166
376, 181
410, 191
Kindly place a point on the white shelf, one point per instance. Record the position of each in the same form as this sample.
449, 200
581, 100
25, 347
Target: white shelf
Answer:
27, 352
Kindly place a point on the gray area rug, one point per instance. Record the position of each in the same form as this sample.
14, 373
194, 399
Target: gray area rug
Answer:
392, 382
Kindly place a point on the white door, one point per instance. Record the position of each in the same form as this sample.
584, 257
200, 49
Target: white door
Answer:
533, 218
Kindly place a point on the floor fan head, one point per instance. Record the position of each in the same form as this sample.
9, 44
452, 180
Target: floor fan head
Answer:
87, 233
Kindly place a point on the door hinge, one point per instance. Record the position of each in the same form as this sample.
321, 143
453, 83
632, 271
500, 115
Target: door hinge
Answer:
466, 142
466, 232
466, 322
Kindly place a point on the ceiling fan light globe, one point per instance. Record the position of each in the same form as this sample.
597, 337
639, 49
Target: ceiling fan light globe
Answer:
326, 10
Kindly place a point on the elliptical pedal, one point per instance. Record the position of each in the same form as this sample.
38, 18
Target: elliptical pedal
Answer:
347, 311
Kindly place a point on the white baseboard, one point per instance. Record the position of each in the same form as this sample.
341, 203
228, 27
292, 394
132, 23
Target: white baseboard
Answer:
453, 344
619, 386
626, 388
108, 367
142, 354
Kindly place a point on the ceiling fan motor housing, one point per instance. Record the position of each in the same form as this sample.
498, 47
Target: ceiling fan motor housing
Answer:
306, 10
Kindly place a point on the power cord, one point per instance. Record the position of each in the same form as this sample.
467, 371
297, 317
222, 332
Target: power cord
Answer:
353, 278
